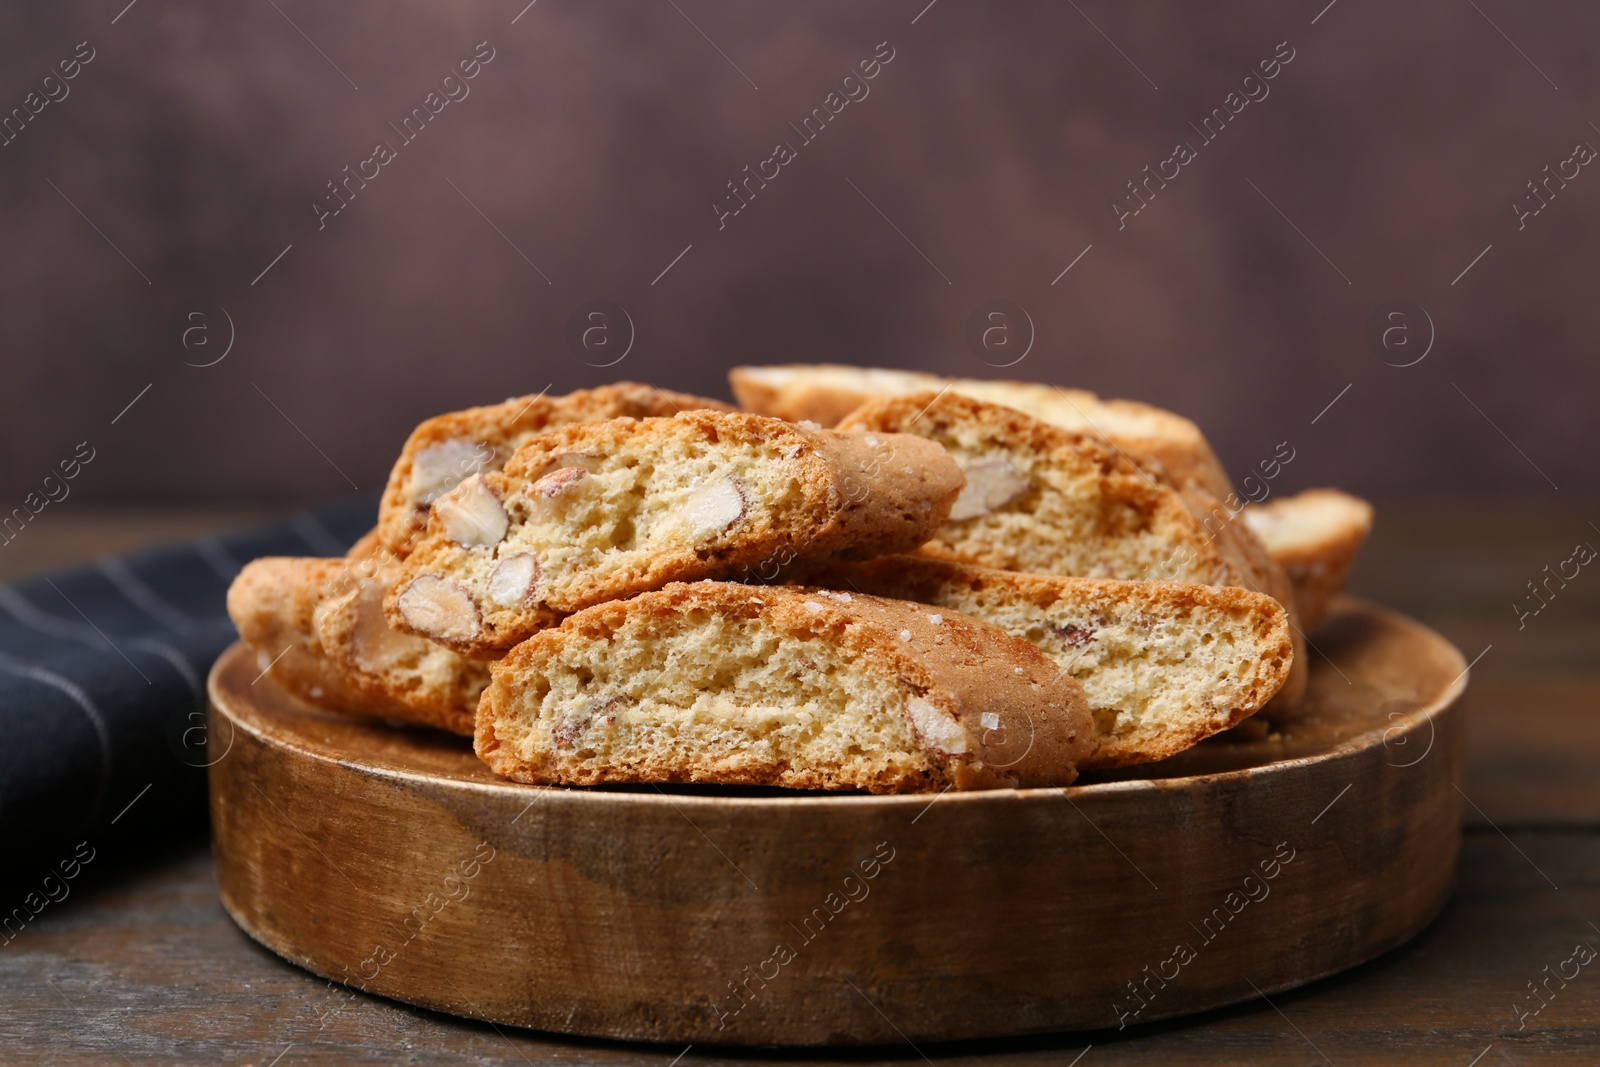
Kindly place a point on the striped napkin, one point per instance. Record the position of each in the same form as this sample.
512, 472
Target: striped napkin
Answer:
102, 687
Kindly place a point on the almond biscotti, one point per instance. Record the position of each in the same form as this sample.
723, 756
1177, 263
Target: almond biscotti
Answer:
826, 393
1163, 664
319, 624
1315, 537
593, 512
1044, 499
427, 683
273, 603
447, 448
716, 682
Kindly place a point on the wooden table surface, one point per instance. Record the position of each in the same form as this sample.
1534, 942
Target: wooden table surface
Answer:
143, 966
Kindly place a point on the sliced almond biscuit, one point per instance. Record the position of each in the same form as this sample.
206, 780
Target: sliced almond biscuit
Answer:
1163, 664
1315, 537
1047, 500
272, 602
594, 512
319, 623
825, 393
445, 449
715, 682
1053, 501
431, 684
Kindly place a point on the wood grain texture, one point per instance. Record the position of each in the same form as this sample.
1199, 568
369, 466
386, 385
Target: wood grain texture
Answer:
148, 969
395, 862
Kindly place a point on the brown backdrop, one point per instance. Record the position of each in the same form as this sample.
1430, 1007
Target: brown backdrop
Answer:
587, 154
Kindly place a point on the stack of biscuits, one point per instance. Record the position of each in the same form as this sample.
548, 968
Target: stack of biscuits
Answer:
958, 584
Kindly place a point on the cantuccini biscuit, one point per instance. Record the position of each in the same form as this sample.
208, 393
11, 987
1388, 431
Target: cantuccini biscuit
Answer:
273, 603
427, 682
1315, 537
825, 393
319, 623
593, 512
1048, 500
717, 682
448, 448
1163, 664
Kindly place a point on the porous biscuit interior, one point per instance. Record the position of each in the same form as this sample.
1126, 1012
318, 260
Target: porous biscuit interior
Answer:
1160, 672
414, 671
1070, 509
615, 516
445, 450
678, 496
699, 696
595, 512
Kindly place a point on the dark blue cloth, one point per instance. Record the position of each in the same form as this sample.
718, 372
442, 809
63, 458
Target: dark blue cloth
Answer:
102, 684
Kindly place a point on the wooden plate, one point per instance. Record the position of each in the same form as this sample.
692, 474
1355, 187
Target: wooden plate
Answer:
392, 860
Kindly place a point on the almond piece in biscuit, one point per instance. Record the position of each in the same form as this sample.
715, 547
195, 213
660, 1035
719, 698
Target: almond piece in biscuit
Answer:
1089, 510
1315, 537
429, 684
320, 623
701, 495
471, 514
716, 682
446, 449
825, 393
1163, 664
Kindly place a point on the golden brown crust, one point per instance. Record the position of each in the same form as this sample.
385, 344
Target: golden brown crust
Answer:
460, 443
1019, 720
1130, 523
1264, 575
1119, 497
1037, 607
1315, 537
322, 619
808, 497
826, 393
272, 602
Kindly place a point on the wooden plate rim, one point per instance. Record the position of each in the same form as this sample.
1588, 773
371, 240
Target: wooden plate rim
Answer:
507, 790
